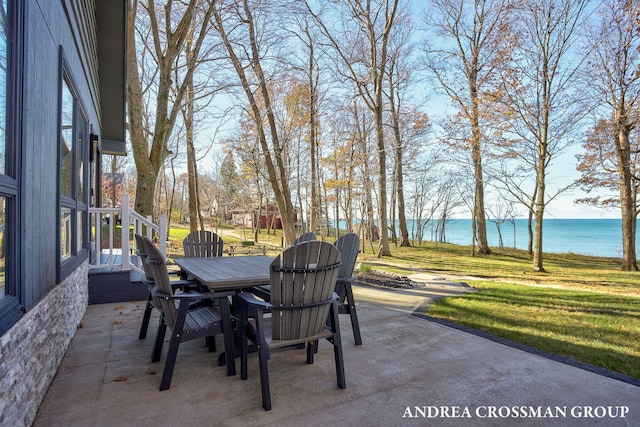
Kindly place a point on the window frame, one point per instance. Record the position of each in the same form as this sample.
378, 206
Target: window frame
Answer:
78, 203
12, 302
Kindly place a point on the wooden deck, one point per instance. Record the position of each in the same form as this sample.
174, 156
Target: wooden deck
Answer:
109, 283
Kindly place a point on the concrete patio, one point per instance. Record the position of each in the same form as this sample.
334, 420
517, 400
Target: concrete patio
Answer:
454, 377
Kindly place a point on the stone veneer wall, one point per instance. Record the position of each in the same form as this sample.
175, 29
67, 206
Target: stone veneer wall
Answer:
32, 350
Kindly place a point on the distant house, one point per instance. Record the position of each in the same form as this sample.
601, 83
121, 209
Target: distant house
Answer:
269, 217
62, 105
242, 218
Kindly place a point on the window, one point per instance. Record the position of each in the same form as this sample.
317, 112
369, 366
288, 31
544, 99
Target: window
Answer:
3, 222
73, 235
11, 12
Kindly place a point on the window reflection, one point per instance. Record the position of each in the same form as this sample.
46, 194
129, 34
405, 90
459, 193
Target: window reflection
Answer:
4, 62
65, 233
81, 128
3, 239
4, 90
66, 145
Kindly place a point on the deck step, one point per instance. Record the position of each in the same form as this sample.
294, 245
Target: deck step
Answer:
110, 284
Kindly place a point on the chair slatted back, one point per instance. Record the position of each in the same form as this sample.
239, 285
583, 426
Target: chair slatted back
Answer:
202, 244
158, 269
348, 245
302, 280
142, 254
306, 237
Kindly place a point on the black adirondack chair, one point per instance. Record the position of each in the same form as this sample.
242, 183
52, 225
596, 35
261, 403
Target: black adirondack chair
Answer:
189, 320
152, 303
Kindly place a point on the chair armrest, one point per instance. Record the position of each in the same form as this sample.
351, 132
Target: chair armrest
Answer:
204, 295
251, 300
195, 296
188, 285
262, 291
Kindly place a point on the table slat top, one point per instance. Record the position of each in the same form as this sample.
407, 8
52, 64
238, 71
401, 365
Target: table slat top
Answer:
231, 272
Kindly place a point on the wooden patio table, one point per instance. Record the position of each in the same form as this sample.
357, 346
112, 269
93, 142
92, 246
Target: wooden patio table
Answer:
228, 273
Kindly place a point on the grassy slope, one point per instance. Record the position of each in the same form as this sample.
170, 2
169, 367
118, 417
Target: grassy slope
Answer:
583, 308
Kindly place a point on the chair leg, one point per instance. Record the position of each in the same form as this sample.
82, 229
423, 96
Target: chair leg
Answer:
170, 363
337, 349
264, 378
243, 328
145, 318
263, 357
354, 316
157, 346
312, 349
227, 332
211, 343
244, 355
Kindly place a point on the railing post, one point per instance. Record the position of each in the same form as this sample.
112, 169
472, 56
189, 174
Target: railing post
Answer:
96, 218
124, 235
162, 232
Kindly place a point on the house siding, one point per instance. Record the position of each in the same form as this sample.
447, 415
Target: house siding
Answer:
49, 26
32, 349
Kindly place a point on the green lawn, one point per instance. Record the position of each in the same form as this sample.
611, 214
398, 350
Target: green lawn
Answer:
582, 308
598, 328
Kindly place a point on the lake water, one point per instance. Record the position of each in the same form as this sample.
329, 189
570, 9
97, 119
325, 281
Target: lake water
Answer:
598, 237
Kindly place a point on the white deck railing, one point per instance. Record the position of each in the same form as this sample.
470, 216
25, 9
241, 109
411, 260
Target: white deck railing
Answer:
111, 251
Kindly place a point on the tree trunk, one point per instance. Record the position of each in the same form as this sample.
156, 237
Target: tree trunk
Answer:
399, 183
627, 202
539, 210
114, 169
191, 151
314, 213
402, 216
476, 155
382, 181
146, 171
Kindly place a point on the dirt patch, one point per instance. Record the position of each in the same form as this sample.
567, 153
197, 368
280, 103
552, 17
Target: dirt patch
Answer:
380, 280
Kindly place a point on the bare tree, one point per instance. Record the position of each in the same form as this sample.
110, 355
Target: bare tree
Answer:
309, 55
242, 26
464, 62
362, 47
423, 200
153, 57
501, 212
615, 82
400, 79
543, 110
344, 163
448, 199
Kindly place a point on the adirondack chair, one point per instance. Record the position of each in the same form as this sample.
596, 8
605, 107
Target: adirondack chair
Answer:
188, 321
348, 247
263, 291
306, 237
203, 244
152, 303
302, 309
